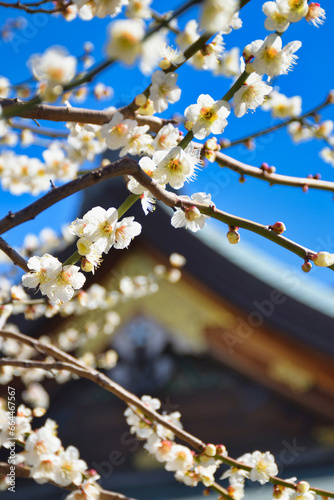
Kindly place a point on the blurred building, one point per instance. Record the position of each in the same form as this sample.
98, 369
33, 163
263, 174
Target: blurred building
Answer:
242, 349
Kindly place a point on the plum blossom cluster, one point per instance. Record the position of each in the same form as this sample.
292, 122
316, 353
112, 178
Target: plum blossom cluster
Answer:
54, 280
98, 231
21, 174
47, 459
188, 467
283, 12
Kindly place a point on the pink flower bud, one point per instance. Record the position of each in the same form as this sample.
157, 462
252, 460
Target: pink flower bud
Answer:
233, 237
307, 266
278, 227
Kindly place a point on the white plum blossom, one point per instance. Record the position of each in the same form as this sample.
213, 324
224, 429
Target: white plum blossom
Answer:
54, 66
42, 270
217, 14
189, 35
151, 52
181, 459
138, 141
137, 425
263, 466
71, 468
89, 490
61, 289
323, 130
4, 86
315, 15
275, 21
327, 154
175, 167
139, 9
160, 448
164, 90
207, 116
299, 132
166, 138
229, 63
282, 106
191, 217
294, 10
116, 132
126, 40
42, 443
170, 56
250, 95
45, 470
110, 8
269, 56
125, 231
98, 225
208, 58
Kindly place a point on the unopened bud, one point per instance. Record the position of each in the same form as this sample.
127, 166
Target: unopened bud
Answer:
86, 265
323, 259
165, 64
221, 450
233, 236
242, 179
307, 266
302, 486
305, 188
278, 227
209, 155
210, 450
105, 162
317, 176
271, 170
188, 125
147, 108
140, 99
278, 491
206, 492
264, 166
330, 97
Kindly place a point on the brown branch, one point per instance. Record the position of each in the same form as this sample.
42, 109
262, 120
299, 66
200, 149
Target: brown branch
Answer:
23, 471
21, 6
127, 166
13, 255
77, 115
124, 166
329, 100
73, 365
283, 180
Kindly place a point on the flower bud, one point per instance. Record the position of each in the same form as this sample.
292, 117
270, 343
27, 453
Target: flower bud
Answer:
188, 125
278, 491
307, 266
264, 166
233, 236
221, 450
323, 259
177, 260
302, 486
210, 450
147, 108
86, 265
278, 227
305, 188
165, 64
140, 99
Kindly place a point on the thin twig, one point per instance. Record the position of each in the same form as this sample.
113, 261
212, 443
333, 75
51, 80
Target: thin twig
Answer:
329, 100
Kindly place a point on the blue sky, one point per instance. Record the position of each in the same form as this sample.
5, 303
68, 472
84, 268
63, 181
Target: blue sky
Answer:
308, 216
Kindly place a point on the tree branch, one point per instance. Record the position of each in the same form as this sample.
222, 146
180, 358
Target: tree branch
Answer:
329, 100
23, 471
16, 258
79, 115
71, 364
